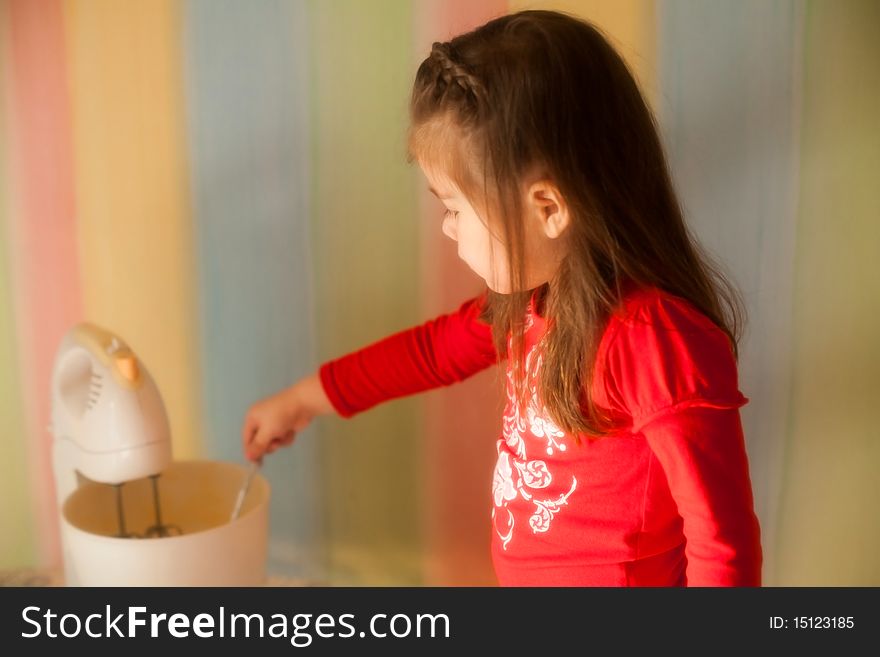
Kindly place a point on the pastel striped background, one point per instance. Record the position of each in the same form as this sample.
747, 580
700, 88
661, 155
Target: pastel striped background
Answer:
223, 183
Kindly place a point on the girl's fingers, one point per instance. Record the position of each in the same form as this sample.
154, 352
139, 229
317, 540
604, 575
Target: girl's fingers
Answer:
258, 440
259, 443
247, 430
251, 446
278, 442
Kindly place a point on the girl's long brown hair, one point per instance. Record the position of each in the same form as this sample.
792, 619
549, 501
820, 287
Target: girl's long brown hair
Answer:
544, 91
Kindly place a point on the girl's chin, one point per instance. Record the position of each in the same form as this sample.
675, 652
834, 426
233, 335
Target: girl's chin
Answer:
495, 286
498, 289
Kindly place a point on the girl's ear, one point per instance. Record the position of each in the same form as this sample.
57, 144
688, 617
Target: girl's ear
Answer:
545, 202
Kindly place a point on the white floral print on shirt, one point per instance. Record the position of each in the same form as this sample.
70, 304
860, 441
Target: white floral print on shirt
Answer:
515, 473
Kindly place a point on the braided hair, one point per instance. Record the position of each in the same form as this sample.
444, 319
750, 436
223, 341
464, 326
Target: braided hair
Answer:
451, 75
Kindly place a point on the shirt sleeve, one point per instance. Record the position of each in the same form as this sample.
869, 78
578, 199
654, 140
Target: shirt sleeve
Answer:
674, 373
439, 352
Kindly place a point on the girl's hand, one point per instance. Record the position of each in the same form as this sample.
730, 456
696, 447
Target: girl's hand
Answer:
274, 422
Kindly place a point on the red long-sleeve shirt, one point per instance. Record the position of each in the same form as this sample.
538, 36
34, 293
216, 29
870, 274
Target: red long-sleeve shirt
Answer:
667, 501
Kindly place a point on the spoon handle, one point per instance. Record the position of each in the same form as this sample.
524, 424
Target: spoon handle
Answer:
242, 493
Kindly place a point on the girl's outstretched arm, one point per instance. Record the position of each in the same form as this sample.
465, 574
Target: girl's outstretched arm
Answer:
442, 351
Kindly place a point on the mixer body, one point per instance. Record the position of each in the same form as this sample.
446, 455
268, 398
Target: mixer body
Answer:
108, 418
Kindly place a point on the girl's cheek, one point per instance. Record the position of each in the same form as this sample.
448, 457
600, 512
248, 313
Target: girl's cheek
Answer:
448, 228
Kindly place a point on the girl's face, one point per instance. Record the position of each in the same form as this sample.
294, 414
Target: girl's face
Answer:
483, 250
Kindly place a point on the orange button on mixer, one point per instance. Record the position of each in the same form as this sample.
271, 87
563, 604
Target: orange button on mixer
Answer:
127, 365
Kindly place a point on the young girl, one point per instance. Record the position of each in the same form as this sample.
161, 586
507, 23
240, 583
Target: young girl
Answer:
622, 460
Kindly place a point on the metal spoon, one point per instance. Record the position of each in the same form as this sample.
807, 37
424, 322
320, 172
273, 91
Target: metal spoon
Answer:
239, 501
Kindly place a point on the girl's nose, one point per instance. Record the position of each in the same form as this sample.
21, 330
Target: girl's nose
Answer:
449, 228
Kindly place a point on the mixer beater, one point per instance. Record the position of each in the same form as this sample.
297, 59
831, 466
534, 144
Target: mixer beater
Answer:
160, 529
157, 530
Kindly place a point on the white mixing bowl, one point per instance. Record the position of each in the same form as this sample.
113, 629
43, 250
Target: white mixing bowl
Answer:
196, 496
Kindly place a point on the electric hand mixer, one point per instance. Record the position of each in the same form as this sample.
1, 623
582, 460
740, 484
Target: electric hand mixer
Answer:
108, 420
111, 428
